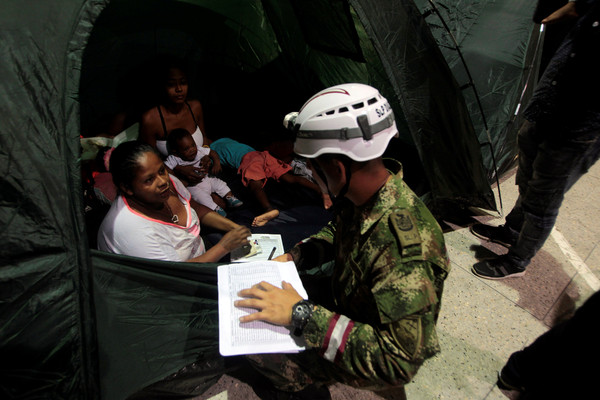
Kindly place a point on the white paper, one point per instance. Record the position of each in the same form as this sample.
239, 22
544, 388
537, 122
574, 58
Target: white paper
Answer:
266, 243
257, 336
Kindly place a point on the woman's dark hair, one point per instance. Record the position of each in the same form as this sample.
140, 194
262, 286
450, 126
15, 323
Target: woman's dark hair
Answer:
162, 67
124, 161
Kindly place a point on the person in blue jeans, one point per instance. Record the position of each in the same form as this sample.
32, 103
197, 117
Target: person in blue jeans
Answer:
558, 143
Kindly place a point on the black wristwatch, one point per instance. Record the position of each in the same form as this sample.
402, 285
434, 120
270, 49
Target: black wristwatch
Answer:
301, 313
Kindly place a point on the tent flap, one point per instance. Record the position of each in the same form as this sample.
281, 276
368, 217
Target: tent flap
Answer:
153, 318
431, 100
47, 338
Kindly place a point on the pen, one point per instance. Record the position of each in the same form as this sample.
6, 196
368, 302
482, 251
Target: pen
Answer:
272, 252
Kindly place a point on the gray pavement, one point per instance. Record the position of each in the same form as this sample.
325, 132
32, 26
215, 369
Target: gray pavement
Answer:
482, 321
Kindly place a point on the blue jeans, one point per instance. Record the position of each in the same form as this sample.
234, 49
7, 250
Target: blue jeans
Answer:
549, 165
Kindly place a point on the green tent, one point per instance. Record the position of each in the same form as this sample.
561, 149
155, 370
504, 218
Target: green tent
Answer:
76, 323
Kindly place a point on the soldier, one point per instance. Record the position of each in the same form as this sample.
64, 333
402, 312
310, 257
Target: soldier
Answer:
374, 324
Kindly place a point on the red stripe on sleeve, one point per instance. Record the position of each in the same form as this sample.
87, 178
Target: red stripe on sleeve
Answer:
332, 323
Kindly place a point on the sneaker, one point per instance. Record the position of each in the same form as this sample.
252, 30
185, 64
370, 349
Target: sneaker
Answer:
221, 211
497, 234
497, 268
507, 380
233, 202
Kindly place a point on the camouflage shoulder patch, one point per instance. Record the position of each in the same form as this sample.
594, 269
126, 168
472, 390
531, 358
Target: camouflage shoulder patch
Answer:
405, 228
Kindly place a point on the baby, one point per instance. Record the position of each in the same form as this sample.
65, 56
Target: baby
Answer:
183, 151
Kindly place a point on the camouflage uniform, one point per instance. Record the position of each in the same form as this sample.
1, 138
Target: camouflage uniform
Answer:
389, 266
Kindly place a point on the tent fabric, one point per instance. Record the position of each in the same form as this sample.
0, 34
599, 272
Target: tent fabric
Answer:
158, 317
47, 331
75, 323
498, 42
433, 106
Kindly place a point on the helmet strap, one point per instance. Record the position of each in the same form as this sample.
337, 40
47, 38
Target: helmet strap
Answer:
347, 167
347, 164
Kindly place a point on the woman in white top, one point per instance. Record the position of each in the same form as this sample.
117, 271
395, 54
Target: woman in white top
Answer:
154, 215
175, 111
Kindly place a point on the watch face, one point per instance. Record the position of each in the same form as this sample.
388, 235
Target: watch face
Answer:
301, 309
301, 312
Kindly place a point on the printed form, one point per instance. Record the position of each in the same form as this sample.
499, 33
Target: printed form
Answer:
257, 336
263, 246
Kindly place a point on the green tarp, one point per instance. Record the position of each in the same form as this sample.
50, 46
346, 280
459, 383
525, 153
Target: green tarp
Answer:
79, 324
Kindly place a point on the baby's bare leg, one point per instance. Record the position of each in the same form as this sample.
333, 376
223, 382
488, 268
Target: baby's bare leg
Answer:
262, 219
256, 187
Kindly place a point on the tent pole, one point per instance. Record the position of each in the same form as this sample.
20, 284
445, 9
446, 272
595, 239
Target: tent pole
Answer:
434, 9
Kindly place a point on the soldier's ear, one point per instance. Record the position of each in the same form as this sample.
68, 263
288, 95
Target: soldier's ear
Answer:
335, 166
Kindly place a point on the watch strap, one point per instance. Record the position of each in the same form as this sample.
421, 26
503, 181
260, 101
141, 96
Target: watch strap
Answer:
301, 313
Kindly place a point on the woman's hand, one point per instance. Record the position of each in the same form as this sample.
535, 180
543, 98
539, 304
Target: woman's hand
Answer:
235, 238
274, 304
216, 167
189, 173
216, 163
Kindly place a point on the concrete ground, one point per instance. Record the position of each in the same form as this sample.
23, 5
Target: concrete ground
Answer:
482, 321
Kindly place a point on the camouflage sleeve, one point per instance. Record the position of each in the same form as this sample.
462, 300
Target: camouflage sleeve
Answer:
316, 250
389, 352
326, 233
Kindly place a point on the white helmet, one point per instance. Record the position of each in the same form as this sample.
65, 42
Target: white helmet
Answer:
351, 119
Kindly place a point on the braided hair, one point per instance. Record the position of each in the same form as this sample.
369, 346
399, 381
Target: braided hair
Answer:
124, 161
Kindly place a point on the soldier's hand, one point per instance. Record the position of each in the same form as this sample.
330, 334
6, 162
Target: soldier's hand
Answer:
274, 305
283, 258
